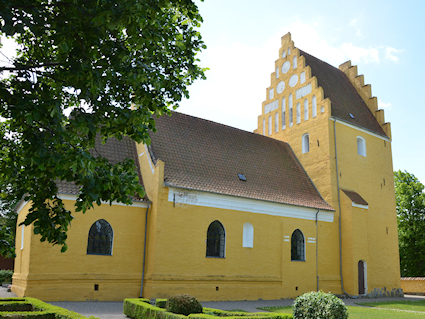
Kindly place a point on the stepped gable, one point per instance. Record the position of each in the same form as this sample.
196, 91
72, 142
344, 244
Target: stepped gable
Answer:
343, 96
115, 151
207, 156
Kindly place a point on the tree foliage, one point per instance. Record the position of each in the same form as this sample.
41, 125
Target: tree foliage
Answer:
126, 60
410, 200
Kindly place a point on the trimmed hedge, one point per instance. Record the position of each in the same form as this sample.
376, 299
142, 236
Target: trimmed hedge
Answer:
161, 303
136, 309
20, 308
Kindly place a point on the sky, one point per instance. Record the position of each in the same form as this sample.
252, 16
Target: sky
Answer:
385, 39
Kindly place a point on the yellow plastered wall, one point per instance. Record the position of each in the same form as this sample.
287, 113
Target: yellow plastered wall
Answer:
177, 261
50, 275
413, 285
375, 238
366, 235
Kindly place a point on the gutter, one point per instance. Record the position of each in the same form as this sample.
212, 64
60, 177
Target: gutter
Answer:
144, 252
339, 207
317, 251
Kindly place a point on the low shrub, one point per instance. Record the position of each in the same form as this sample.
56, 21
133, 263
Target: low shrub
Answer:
6, 276
183, 304
319, 305
28, 308
161, 303
134, 308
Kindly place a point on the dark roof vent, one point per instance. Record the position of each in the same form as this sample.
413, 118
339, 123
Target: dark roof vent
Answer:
351, 115
242, 177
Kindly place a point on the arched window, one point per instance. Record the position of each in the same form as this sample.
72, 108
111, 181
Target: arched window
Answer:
283, 114
305, 142
100, 238
216, 238
276, 122
270, 125
290, 110
314, 106
264, 126
248, 235
361, 146
298, 113
305, 110
297, 246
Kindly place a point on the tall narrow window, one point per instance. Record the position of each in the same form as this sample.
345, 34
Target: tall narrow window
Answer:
305, 141
305, 110
290, 110
100, 238
361, 146
314, 106
297, 246
248, 235
216, 238
270, 125
283, 114
276, 122
294, 62
277, 72
264, 126
298, 113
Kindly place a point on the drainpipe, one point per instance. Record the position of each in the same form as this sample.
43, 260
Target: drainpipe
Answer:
317, 251
144, 253
339, 207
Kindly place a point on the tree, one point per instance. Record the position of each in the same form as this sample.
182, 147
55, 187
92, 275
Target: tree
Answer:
410, 199
112, 66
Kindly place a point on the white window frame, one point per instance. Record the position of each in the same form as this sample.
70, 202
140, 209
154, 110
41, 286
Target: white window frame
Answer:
248, 235
361, 146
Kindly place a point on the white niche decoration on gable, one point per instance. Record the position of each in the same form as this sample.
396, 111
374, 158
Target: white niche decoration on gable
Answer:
285, 67
293, 80
280, 87
271, 94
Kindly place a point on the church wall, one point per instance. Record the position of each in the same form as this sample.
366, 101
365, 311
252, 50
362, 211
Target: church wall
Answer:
264, 271
374, 230
72, 275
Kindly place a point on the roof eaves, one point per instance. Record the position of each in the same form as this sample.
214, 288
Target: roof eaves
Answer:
262, 200
333, 118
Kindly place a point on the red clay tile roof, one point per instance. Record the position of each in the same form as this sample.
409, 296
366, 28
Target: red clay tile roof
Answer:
355, 197
344, 97
207, 156
115, 151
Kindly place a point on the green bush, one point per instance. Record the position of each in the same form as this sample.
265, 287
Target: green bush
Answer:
183, 304
161, 303
137, 309
320, 305
6, 276
17, 308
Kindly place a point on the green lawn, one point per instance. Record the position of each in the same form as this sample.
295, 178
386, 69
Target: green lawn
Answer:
401, 305
375, 312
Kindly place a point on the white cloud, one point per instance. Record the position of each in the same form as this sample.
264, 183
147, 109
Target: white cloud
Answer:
353, 22
383, 105
389, 54
7, 50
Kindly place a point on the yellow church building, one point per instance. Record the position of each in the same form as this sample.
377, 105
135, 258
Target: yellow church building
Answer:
304, 203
